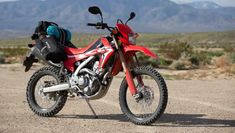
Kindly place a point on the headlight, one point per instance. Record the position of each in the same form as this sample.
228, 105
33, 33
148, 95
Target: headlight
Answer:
132, 38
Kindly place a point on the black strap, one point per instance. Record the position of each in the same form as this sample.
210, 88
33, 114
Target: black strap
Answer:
66, 35
62, 36
53, 23
60, 39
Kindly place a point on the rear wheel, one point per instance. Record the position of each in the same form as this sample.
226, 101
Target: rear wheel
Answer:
45, 104
153, 96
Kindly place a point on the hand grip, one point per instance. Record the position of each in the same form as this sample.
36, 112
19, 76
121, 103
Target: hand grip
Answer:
91, 24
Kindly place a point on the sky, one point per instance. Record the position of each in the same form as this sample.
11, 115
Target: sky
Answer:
5, 0
220, 2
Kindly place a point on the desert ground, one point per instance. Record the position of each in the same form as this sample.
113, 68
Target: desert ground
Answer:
206, 105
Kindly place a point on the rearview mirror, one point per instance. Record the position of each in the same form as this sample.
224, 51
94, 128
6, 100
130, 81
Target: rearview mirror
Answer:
95, 10
132, 15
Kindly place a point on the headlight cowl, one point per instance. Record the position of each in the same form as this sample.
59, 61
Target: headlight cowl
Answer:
132, 38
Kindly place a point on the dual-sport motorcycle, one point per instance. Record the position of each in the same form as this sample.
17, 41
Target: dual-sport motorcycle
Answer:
88, 72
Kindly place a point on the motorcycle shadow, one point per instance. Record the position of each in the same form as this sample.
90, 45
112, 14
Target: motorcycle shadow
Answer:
167, 120
118, 117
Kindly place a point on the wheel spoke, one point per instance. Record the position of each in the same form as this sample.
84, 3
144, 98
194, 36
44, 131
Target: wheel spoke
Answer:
148, 104
45, 104
44, 100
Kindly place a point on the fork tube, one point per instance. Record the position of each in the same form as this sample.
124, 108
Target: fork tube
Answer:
128, 74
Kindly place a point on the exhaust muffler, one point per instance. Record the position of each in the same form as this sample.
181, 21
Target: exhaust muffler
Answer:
59, 87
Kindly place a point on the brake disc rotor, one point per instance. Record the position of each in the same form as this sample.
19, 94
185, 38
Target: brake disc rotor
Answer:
147, 96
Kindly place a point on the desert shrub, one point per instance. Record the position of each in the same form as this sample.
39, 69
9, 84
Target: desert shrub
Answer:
228, 48
12, 55
178, 65
214, 53
146, 60
164, 62
2, 57
182, 63
194, 59
200, 58
173, 50
153, 62
11, 52
232, 57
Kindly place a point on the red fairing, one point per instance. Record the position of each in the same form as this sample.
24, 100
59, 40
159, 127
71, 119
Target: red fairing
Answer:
76, 54
109, 51
124, 30
135, 48
69, 63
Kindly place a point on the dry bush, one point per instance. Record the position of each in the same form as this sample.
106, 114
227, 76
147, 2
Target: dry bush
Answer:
229, 48
228, 70
222, 61
11, 60
12, 55
2, 57
183, 63
231, 70
173, 50
232, 57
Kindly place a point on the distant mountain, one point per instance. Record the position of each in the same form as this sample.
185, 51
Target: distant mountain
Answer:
162, 16
204, 5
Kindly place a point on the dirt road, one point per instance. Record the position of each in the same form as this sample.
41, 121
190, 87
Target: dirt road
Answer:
194, 106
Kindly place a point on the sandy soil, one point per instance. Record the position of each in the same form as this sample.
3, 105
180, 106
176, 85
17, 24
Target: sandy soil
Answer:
194, 106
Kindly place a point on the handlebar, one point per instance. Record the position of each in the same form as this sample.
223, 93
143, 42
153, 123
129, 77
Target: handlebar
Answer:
100, 25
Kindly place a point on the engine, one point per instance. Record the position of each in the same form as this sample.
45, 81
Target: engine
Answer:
87, 81
88, 84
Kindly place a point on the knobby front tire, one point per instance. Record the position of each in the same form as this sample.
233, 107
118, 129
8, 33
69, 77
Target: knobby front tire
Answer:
160, 101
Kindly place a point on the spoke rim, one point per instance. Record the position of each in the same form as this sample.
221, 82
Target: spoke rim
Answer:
45, 101
144, 108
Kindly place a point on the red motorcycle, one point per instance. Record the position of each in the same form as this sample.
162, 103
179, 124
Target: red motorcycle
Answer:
88, 72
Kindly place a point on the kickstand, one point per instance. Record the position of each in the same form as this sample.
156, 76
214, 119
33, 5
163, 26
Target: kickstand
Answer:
93, 111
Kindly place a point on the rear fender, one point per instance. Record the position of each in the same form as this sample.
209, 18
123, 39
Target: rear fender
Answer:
33, 55
135, 48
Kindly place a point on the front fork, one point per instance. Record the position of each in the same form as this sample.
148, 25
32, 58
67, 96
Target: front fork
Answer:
129, 77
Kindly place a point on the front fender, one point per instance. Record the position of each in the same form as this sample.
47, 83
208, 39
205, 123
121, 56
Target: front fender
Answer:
135, 48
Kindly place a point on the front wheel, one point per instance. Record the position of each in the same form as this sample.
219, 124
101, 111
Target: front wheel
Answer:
153, 96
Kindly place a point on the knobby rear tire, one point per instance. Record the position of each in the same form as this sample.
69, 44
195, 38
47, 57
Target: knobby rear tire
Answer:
163, 96
52, 71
